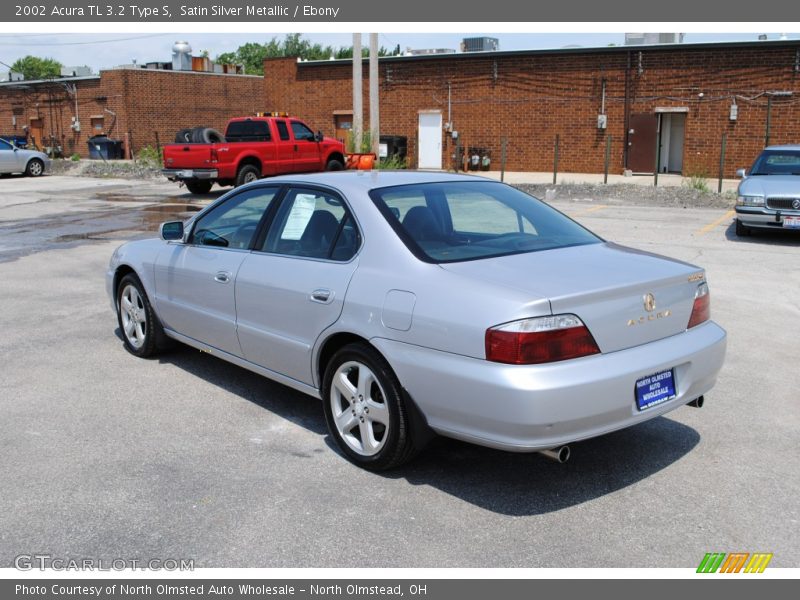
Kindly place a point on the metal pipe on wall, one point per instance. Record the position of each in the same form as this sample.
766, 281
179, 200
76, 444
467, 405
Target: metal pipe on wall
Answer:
374, 99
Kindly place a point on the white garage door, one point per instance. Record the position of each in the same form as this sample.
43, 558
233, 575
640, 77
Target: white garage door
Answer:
430, 140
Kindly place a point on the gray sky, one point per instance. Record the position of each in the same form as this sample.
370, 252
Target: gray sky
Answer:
101, 51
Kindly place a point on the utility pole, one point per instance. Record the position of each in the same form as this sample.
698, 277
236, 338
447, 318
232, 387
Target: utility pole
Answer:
374, 89
358, 99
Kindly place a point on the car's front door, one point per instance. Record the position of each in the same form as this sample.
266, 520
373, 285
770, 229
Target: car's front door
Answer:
306, 148
8, 158
292, 286
195, 281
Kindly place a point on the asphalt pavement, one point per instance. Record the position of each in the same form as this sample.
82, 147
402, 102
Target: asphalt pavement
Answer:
185, 456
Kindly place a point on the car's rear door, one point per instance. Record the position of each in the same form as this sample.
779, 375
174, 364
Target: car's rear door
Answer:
292, 286
284, 147
195, 280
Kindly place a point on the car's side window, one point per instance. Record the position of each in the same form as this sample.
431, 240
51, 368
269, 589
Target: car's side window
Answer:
233, 223
283, 131
301, 132
4, 145
313, 224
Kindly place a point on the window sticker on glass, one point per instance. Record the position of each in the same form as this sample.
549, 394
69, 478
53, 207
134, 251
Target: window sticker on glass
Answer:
300, 215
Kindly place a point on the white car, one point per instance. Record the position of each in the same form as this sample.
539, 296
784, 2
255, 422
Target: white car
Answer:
16, 160
417, 302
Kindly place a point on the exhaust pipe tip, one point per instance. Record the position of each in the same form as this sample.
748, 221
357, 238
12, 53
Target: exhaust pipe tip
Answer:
560, 454
697, 402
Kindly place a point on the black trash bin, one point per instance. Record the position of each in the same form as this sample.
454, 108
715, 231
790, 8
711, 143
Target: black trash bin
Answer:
103, 147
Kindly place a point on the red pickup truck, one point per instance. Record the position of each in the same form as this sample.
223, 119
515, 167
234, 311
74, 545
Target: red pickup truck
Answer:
254, 147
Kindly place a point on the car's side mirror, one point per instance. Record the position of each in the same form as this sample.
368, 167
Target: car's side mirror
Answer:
171, 231
318, 137
741, 173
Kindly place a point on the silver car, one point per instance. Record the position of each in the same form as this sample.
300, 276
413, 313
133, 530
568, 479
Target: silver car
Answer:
769, 195
16, 160
420, 303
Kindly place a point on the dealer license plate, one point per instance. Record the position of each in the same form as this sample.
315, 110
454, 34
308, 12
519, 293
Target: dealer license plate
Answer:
655, 389
791, 222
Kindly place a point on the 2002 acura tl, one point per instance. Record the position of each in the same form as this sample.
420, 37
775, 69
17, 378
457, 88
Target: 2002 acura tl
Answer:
413, 303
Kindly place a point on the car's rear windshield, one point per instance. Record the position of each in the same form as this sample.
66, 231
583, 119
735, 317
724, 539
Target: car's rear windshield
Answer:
777, 162
468, 220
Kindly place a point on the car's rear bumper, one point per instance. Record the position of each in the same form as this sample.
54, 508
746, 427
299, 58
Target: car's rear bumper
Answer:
764, 217
181, 174
525, 408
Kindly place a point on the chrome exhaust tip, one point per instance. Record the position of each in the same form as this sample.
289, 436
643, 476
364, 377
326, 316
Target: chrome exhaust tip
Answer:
697, 402
559, 454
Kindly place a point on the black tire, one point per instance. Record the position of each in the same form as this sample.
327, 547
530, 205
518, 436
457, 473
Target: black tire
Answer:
334, 165
35, 168
742, 230
154, 340
212, 136
184, 136
246, 174
197, 135
396, 444
199, 186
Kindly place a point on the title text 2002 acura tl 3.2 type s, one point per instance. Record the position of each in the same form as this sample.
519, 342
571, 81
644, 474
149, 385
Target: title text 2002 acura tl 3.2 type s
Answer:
413, 303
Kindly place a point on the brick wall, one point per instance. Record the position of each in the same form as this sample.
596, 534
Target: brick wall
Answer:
144, 102
531, 97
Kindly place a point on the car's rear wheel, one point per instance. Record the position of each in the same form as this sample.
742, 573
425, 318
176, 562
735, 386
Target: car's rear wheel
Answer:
742, 230
200, 186
35, 168
140, 327
247, 174
365, 410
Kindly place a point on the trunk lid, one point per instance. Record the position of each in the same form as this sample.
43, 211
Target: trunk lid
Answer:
187, 156
603, 284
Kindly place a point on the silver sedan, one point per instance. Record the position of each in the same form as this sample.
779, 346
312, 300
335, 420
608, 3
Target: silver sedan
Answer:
414, 304
17, 160
769, 195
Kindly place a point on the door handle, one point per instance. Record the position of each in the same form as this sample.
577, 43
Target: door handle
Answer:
222, 277
295, 147
321, 295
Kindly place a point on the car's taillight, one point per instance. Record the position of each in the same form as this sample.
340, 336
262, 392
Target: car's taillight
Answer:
214, 156
539, 340
701, 311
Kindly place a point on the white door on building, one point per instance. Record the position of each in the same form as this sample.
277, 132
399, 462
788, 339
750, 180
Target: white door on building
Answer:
430, 140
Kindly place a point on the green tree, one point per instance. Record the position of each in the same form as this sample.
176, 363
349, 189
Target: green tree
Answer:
33, 67
252, 54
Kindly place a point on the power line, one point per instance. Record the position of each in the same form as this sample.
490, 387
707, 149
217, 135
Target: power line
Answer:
87, 43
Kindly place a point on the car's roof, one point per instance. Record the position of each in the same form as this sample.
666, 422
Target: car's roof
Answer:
795, 147
369, 180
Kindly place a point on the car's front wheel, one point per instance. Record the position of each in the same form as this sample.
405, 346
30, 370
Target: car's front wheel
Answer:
742, 230
35, 168
140, 327
365, 410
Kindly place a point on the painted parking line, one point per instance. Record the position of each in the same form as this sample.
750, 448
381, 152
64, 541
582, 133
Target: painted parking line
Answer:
589, 210
726, 217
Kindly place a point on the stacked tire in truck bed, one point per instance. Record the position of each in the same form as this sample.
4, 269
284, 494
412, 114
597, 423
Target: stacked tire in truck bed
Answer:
199, 135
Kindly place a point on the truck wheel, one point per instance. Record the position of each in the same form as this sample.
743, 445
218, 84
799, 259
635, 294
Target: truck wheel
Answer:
202, 186
184, 136
334, 165
246, 174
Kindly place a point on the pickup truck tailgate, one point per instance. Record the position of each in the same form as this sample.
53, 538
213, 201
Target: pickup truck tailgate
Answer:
187, 156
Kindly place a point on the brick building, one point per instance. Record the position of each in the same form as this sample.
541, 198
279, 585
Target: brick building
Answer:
124, 103
693, 93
